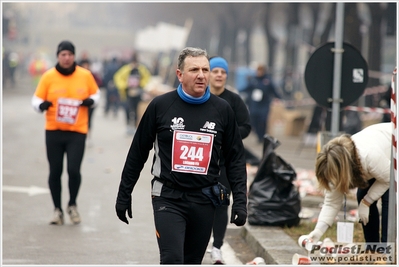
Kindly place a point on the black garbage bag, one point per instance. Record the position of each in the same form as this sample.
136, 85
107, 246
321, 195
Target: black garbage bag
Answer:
272, 198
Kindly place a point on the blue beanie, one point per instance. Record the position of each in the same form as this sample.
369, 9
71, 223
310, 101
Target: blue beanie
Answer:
219, 62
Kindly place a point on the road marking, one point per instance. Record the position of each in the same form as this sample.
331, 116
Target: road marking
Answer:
31, 191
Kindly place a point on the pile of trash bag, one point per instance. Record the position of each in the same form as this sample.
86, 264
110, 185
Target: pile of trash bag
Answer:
273, 199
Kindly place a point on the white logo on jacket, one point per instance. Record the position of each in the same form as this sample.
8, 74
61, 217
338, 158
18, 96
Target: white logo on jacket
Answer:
209, 127
178, 124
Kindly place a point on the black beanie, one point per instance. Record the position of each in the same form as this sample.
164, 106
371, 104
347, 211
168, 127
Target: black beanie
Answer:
66, 45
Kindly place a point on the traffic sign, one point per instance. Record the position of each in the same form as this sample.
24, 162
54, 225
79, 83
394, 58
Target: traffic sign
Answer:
320, 69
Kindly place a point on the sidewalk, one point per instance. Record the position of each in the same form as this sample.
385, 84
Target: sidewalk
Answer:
269, 242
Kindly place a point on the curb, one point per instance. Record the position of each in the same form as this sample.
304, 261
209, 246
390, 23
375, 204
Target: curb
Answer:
271, 243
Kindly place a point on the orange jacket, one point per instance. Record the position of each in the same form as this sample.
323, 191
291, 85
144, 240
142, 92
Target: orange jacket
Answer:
66, 94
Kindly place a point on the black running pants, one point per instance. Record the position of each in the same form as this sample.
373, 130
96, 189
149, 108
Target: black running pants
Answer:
72, 144
371, 230
183, 229
221, 214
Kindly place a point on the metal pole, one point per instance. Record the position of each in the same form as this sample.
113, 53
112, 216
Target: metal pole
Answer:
392, 219
336, 97
364, 29
391, 231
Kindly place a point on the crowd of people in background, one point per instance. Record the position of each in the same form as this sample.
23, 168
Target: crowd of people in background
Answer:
124, 83
256, 86
124, 80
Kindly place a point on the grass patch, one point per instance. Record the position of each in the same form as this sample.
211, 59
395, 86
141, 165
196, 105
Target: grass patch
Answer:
305, 227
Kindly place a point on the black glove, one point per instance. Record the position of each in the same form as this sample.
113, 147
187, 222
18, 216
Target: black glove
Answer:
45, 105
121, 211
238, 217
87, 102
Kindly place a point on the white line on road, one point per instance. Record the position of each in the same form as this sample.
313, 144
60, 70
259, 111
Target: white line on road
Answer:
31, 191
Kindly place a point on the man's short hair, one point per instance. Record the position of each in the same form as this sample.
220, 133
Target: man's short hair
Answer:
190, 52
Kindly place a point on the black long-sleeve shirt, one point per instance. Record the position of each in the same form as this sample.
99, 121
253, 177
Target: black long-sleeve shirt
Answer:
243, 121
240, 111
183, 135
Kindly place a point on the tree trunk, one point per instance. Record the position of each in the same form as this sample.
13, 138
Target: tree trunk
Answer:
271, 41
326, 33
375, 42
352, 26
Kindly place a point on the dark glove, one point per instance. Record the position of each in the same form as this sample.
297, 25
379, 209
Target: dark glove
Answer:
121, 211
87, 102
45, 105
238, 217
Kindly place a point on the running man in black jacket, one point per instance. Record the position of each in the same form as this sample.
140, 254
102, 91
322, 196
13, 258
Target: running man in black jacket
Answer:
189, 130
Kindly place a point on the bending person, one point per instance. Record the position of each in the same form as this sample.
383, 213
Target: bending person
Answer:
360, 161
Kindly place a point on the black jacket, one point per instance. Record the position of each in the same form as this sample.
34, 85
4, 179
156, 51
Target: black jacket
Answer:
169, 114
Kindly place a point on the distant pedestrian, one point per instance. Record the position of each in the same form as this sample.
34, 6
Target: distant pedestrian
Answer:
65, 92
37, 67
112, 100
260, 93
130, 80
10, 65
189, 129
217, 83
5, 67
13, 63
361, 161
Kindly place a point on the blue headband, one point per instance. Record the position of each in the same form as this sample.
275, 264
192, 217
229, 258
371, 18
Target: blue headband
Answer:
219, 62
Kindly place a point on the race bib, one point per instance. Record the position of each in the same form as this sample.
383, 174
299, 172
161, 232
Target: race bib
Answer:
257, 95
67, 110
191, 152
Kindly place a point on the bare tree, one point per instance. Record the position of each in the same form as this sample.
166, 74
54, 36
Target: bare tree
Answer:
375, 40
271, 40
329, 23
352, 26
293, 28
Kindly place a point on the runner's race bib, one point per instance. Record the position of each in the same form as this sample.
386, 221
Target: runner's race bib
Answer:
257, 95
67, 110
191, 152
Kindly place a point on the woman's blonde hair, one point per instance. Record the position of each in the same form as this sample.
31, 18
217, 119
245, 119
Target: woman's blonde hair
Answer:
338, 164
